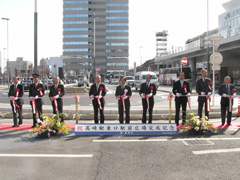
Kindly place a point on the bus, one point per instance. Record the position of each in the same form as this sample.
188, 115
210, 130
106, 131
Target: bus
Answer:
167, 76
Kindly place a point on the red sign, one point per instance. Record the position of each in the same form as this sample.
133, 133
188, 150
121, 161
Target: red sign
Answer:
184, 61
98, 69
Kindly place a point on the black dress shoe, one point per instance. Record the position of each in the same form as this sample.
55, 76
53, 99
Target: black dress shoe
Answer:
33, 126
14, 126
222, 124
228, 124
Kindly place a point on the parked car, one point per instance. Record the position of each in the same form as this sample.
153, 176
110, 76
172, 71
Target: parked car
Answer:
49, 82
106, 81
140, 77
26, 84
130, 81
81, 82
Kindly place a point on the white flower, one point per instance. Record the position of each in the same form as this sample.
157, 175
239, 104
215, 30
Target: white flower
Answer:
196, 128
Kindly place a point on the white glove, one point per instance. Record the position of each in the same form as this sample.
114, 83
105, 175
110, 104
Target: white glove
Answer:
118, 98
56, 97
202, 93
99, 97
150, 95
15, 98
125, 97
224, 95
178, 94
143, 96
209, 93
234, 94
92, 97
10, 97
36, 97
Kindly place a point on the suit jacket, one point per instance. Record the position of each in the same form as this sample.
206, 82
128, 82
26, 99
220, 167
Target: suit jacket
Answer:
120, 92
223, 90
11, 92
54, 92
147, 90
34, 91
203, 87
178, 89
95, 92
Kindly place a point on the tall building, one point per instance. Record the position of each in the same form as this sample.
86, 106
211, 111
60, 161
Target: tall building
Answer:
109, 19
161, 43
20, 68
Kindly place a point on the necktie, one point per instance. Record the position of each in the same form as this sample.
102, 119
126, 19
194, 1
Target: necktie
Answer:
181, 84
15, 87
228, 90
97, 86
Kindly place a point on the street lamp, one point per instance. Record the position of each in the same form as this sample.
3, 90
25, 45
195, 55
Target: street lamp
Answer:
7, 19
35, 38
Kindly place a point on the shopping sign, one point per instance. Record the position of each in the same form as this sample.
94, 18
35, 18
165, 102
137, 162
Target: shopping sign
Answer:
125, 129
184, 61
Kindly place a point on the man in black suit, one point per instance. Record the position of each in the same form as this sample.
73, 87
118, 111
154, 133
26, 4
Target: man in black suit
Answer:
204, 90
227, 91
56, 93
181, 89
15, 94
96, 94
147, 91
123, 93
36, 91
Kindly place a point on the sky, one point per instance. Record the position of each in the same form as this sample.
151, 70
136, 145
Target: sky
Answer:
182, 19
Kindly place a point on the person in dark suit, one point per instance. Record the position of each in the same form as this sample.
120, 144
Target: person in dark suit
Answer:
15, 95
36, 91
181, 89
56, 92
204, 90
96, 94
227, 91
147, 91
123, 93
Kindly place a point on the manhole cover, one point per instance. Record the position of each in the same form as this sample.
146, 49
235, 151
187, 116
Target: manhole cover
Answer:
197, 142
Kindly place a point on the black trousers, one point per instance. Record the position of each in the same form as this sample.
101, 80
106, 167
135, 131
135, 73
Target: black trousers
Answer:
144, 116
19, 111
224, 108
39, 111
178, 104
96, 107
120, 112
59, 108
200, 108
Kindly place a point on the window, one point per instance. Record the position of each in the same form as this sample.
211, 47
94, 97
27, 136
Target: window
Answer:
116, 11
117, 17
75, 15
75, 43
116, 37
75, 50
75, 2
76, 36
116, 44
116, 4
116, 31
75, 9
75, 22
75, 29
116, 24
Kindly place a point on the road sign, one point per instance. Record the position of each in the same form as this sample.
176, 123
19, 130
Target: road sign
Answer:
98, 69
184, 61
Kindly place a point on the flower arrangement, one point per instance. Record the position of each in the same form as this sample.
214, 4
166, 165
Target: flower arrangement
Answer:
198, 126
50, 126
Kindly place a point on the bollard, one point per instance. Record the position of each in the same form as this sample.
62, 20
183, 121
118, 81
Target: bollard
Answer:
239, 106
170, 107
76, 99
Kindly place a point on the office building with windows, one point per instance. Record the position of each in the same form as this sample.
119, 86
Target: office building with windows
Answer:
104, 50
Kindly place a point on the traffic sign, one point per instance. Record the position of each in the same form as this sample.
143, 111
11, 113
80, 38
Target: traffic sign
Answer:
184, 61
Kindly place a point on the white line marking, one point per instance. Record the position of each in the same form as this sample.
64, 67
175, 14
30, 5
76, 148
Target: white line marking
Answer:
217, 151
49, 155
164, 140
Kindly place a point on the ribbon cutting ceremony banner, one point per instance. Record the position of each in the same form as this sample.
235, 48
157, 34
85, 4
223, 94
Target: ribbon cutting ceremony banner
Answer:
125, 129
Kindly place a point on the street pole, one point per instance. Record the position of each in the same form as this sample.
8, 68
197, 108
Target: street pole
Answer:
213, 70
94, 50
35, 38
7, 19
208, 64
